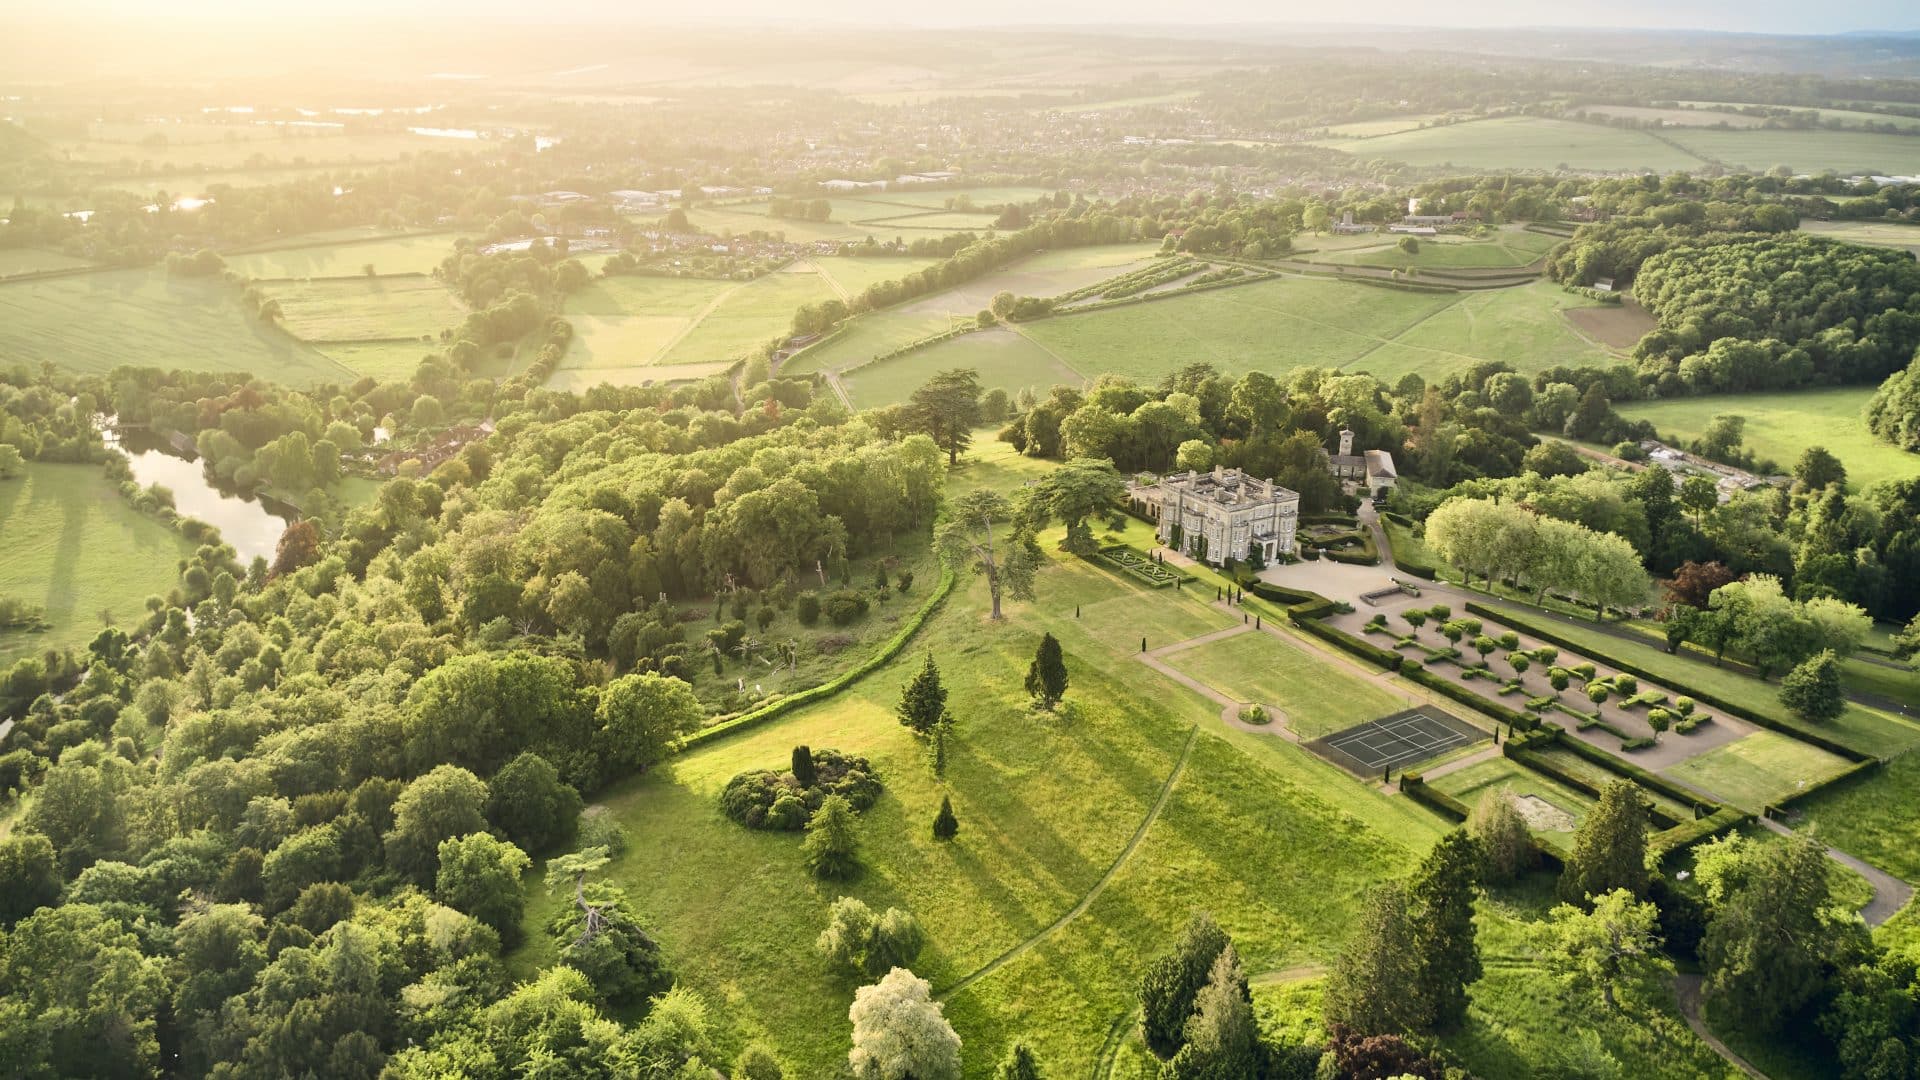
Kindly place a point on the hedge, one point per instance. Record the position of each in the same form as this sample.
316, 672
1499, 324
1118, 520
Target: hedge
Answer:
1415, 788
1688, 833
1546, 634
1650, 780
1365, 650
1845, 776
834, 685
1548, 767
1467, 697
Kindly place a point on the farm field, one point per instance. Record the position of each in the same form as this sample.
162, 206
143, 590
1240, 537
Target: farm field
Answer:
1853, 117
936, 199
388, 361
92, 323
1031, 845
1845, 152
1317, 697
1046, 274
360, 309
418, 253
630, 321
743, 218
1874, 233
278, 148
15, 261
853, 274
1758, 769
1781, 426
1509, 247
1389, 125
1289, 322
1524, 142
943, 220
746, 317
1004, 358
76, 547
1701, 117
1478, 781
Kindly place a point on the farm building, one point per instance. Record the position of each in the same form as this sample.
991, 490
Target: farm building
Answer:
1221, 516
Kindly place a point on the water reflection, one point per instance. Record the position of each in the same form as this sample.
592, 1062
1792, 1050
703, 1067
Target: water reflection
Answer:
250, 523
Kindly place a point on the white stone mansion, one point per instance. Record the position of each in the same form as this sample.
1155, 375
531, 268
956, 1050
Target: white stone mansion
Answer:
1219, 516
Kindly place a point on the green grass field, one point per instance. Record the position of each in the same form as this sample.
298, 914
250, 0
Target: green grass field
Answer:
1476, 782
1510, 247
1758, 770
1852, 117
747, 317
1279, 324
15, 261
1366, 129
76, 548
92, 323
1046, 274
1873, 233
1047, 804
362, 309
1782, 426
414, 254
1846, 152
631, 321
1003, 358
388, 361
1876, 817
943, 220
852, 274
1701, 117
1318, 697
1524, 142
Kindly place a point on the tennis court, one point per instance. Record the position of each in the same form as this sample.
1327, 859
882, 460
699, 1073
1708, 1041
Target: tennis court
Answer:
1397, 741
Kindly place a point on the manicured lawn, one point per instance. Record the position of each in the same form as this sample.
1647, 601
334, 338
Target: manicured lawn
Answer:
1317, 697
1867, 730
1782, 426
1757, 770
1003, 358
1876, 817
1573, 763
92, 323
361, 309
1523, 142
75, 547
1476, 782
417, 254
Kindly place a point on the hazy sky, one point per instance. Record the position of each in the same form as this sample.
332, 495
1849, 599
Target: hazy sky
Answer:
1753, 16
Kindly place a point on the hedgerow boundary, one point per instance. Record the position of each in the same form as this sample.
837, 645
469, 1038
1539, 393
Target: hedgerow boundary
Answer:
834, 685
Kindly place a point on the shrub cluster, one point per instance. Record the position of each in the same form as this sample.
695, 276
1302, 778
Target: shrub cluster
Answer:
766, 799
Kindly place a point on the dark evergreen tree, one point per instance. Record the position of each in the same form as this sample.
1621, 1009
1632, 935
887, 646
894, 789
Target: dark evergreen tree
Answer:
1610, 849
1372, 986
1222, 1039
1047, 676
1440, 912
924, 699
804, 772
945, 825
1170, 984
1019, 1064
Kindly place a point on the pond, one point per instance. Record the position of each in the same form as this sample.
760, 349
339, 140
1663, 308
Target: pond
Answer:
251, 524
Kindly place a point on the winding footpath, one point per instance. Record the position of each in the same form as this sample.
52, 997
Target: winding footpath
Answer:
1120, 860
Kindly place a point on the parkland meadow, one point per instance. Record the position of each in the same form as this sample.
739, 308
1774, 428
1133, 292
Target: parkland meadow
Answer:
1782, 426
92, 323
347, 254
76, 548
